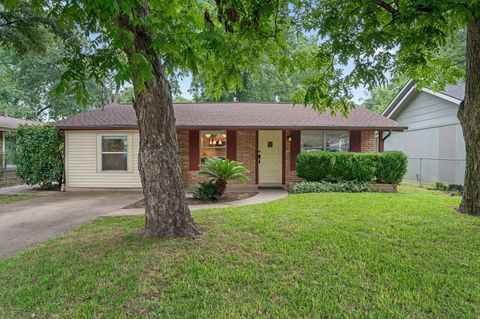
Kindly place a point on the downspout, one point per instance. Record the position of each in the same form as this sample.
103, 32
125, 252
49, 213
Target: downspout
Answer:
383, 138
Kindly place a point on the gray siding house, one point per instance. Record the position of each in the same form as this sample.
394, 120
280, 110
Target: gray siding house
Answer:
434, 141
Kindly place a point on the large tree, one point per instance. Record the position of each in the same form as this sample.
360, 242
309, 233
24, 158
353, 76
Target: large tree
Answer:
32, 49
377, 37
148, 42
453, 53
270, 82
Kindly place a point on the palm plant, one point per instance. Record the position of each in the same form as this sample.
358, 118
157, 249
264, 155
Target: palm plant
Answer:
222, 170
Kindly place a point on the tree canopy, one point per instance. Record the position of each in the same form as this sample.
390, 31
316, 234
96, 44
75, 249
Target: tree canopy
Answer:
453, 52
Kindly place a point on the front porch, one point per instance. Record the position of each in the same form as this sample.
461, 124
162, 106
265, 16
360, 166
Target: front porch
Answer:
268, 154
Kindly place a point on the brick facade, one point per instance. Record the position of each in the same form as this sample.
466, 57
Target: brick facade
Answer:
368, 142
247, 154
290, 175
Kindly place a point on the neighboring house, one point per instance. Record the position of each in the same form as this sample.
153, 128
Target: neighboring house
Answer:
101, 146
8, 141
434, 140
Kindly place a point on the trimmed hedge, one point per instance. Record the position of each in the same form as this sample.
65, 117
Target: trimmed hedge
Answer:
386, 167
327, 187
392, 167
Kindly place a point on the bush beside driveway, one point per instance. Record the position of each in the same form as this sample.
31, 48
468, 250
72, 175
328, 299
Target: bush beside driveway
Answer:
400, 255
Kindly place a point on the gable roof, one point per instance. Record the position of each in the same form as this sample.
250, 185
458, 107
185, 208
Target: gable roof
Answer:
10, 123
233, 115
453, 93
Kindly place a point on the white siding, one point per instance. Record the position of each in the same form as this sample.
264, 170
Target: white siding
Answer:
82, 165
434, 132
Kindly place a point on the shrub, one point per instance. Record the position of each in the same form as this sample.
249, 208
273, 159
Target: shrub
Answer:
39, 154
441, 186
205, 191
457, 188
327, 187
392, 167
336, 167
222, 170
388, 167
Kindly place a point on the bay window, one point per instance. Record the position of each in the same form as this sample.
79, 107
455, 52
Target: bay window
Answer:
213, 144
325, 140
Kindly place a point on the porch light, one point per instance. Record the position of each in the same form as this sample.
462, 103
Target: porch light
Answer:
290, 138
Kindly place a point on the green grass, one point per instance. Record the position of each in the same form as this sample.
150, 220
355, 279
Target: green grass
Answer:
315, 255
6, 199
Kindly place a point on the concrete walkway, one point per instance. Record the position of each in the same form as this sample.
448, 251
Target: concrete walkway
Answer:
263, 196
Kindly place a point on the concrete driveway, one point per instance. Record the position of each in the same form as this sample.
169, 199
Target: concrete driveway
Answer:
25, 223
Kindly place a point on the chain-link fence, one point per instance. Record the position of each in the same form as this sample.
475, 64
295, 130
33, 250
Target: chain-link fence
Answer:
434, 169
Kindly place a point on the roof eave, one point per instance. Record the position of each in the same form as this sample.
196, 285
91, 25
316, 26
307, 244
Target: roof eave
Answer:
187, 127
397, 101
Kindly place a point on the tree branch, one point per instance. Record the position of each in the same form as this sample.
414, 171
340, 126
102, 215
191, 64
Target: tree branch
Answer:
387, 6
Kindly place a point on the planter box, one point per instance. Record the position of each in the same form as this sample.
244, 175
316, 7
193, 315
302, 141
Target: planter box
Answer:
385, 188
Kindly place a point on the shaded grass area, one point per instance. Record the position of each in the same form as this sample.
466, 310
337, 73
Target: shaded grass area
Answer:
6, 199
311, 255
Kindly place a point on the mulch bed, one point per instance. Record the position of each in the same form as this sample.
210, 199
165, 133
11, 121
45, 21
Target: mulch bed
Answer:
227, 197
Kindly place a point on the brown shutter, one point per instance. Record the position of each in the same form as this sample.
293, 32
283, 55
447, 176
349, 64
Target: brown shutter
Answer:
355, 141
232, 145
294, 148
194, 150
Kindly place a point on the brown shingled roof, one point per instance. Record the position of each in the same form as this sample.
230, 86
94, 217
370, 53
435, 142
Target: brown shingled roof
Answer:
234, 115
7, 122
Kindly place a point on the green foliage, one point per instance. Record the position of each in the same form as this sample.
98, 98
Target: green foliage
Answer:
217, 168
219, 40
327, 187
206, 191
24, 29
336, 167
28, 81
365, 42
223, 170
392, 167
330, 255
381, 96
388, 167
441, 186
39, 154
269, 82
453, 51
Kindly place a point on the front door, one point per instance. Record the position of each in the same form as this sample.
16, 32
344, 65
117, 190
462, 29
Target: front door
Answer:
270, 157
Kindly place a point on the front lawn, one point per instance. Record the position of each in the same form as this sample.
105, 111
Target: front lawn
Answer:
316, 255
6, 199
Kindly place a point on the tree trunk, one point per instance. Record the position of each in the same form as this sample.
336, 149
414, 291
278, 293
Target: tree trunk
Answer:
469, 116
220, 185
166, 210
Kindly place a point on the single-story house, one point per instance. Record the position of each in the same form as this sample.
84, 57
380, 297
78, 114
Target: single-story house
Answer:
101, 146
8, 125
434, 140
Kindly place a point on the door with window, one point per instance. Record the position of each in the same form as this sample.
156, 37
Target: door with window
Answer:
270, 157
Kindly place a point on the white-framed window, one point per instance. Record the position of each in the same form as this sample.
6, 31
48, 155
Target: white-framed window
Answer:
337, 141
325, 140
114, 153
213, 144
